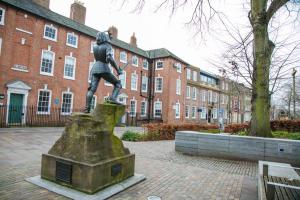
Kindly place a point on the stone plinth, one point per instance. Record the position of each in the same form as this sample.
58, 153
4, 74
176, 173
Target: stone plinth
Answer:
88, 156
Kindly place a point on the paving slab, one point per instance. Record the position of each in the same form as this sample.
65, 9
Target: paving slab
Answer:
77, 195
170, 175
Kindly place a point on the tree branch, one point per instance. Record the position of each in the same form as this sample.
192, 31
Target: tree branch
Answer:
274, 6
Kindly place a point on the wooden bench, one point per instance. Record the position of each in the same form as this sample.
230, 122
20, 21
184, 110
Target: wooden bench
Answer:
280, 188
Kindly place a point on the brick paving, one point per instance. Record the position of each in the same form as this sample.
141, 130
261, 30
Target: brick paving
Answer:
170, 175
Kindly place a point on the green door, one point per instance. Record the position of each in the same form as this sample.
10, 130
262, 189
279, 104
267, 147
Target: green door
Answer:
15, 109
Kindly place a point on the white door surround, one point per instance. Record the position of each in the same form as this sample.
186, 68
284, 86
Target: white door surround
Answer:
17, 87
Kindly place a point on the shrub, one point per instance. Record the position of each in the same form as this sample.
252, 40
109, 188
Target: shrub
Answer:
131, 136
286, 125
167, 131
236, 128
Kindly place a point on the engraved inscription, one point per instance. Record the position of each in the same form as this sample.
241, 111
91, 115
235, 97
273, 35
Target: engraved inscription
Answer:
116, 169
63, 172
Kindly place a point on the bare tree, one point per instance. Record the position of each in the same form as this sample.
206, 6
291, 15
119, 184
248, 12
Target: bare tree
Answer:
260, 14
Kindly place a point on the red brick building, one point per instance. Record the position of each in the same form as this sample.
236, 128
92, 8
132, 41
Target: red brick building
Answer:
45, 60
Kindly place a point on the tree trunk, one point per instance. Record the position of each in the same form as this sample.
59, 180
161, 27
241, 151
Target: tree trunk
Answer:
262, 50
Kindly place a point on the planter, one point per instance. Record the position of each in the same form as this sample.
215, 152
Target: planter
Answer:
238, 147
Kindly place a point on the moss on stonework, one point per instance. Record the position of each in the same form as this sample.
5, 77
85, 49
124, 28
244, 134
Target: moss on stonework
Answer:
89, 137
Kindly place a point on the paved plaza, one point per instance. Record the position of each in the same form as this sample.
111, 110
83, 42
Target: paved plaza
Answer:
170, 175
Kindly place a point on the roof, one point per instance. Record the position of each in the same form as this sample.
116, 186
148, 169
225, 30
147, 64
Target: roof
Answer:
33, 8
209, 74
163, 52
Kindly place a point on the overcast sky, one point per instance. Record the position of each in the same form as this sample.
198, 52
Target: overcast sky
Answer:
159, 30
156, 30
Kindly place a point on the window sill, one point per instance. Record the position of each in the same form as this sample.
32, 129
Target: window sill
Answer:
45, 74
65, 114
51, 39
43, 113
69, 78
70, 45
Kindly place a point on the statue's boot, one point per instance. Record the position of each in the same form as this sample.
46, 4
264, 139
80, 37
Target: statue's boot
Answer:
114, 95
89, 97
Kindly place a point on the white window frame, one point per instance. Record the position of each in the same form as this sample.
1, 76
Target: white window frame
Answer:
145, 114
215, 113
195, 76
145, 78
188, 92
74, 35
123, 61
48, 38
124, 75
0, 46
135, 106
225, 116
156, 63
203, 113
49, 105
136, 84
194, 93
177, 110
188, 74
71, 108
95, 102
178, 67
194, 111
53, 61
92, 46
187, 114
162, 84
178, 86
154, 108
210, 98
222, 98
74, 69
137, 61
2, 22
90, 69
145, 61
204, 94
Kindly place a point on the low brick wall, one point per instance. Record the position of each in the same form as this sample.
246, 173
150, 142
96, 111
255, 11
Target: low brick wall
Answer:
238, 147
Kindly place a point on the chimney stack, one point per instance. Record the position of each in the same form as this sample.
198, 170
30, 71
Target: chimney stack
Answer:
113, 31
44, 3
78, 11
133, 40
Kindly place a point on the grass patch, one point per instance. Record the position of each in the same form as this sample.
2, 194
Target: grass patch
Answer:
131, 136
286, 135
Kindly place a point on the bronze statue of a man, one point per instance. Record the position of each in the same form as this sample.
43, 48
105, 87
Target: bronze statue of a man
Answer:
103, 54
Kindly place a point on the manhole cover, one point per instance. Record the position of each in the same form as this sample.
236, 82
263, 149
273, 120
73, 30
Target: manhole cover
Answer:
153, 198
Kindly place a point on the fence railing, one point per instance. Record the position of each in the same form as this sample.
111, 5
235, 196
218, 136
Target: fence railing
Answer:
54, 116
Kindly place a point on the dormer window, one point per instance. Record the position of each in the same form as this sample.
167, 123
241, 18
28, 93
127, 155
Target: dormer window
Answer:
50, 32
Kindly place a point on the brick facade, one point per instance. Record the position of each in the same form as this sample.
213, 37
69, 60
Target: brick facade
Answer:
23, 42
